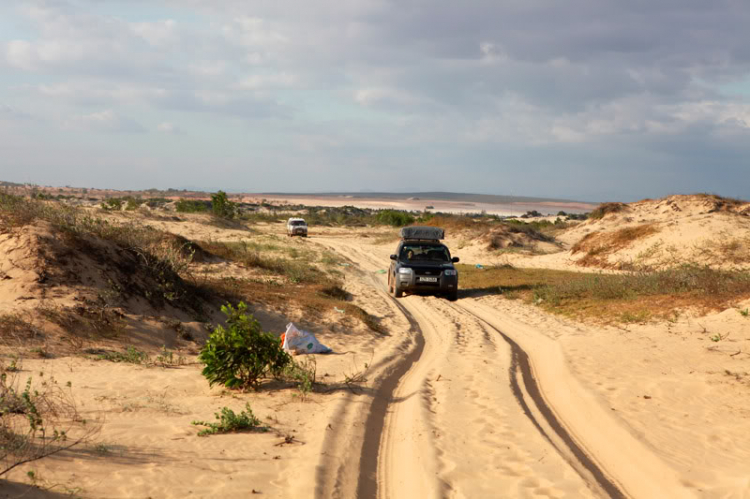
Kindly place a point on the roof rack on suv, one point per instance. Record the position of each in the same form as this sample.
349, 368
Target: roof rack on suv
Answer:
423, 233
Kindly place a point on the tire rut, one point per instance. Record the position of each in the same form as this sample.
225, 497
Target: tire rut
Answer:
520, 364
332, 480
524, 387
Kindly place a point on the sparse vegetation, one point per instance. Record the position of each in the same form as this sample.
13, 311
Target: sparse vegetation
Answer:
251, 256
597, 245
605, 209
113, 204
143, 252
37, 421
129, 203
302, 373
229, 422
130, 356
192, 206
395, 218
297, 280
15, 328
630, 297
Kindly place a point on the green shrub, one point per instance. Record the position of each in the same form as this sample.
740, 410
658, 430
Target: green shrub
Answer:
191, 206
133, 204
222, 206
241, 355
229, 422
395, 218
303, 374
156, 202
131, 356
112, 204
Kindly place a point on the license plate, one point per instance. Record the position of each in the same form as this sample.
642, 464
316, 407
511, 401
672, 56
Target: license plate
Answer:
428, 279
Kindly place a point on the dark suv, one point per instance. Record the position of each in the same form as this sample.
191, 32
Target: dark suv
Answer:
423, 265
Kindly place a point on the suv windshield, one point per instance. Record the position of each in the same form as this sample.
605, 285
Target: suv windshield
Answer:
298, 223
424, 253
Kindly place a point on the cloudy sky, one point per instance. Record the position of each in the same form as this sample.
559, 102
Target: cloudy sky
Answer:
582, 99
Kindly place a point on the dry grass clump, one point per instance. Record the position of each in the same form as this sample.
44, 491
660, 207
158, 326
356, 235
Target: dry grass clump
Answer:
606, 208
286, 281
597, 245
314, 299
724, 249
630, 297
85, 321
17, 329
457, 223
500, 234
722, 204
734, 251
252, 256
516, 235
38, 421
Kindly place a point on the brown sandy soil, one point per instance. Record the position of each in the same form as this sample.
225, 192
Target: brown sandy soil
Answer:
484, 397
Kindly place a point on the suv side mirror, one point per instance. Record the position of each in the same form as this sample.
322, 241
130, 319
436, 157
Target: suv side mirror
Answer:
394, 257
455, 259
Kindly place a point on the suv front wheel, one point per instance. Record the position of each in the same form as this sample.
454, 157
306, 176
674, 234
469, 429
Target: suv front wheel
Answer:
393, 286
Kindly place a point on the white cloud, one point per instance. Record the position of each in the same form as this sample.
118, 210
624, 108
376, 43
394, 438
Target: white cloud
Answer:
265, 81
253, 32
103, 121
97, 92
389, 96
208, 68
471, 78
156, 33
11, 113
169, 128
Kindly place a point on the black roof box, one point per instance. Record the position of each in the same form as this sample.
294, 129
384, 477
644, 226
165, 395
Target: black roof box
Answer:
431, 233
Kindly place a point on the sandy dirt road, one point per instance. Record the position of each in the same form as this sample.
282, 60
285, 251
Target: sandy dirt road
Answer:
478, 405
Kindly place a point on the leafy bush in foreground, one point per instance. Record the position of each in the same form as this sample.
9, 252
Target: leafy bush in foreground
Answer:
241, 355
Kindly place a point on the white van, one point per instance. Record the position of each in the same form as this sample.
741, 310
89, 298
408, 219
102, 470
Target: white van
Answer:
296, 227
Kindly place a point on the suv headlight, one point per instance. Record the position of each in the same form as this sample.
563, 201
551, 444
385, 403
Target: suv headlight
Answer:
450, 272
405, 270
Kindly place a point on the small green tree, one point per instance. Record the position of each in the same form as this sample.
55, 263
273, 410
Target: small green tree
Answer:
241, 355
222, 206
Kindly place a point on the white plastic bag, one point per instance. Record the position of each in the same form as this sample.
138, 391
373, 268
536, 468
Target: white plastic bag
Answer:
299, 342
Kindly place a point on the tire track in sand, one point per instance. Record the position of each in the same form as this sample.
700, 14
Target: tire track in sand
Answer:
403, 456
336, 476
389, 455
528, 386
